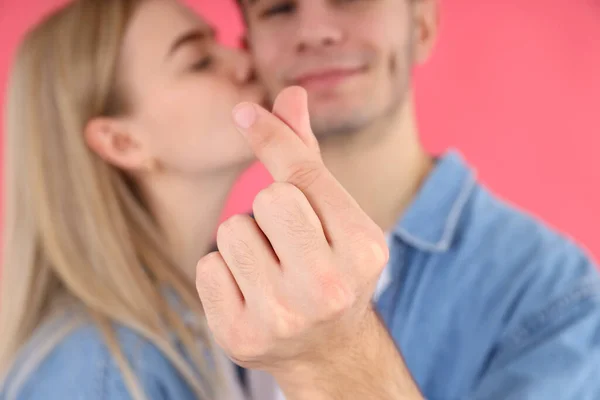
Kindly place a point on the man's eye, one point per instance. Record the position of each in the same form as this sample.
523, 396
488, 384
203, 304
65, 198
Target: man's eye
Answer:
279, 9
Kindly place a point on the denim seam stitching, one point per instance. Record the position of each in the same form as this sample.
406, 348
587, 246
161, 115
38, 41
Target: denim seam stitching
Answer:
451, 222
556, 311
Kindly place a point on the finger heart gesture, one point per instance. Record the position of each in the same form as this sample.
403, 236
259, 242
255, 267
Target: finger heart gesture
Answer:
294, 282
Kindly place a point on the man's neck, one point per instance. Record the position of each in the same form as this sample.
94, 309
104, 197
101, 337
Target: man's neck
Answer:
385, 174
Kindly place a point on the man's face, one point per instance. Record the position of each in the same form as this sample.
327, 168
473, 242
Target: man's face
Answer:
354, 57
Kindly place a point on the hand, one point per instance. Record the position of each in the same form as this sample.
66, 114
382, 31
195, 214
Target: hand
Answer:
294, 286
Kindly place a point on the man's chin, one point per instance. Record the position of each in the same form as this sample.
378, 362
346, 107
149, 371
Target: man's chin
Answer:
338, 125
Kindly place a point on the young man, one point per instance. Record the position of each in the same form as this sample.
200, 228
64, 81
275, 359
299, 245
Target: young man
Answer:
483, 301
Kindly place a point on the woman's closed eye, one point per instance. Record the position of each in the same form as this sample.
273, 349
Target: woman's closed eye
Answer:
202, 64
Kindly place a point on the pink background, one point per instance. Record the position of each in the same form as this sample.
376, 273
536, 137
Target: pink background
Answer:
514, 84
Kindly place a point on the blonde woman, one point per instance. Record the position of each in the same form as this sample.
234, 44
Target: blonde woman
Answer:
120, 153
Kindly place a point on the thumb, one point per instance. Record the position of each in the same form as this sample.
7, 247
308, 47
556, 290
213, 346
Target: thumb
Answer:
291, 106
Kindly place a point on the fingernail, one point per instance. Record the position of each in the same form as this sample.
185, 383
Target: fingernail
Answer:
244, 115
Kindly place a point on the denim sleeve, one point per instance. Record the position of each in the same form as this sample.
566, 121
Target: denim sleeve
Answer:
82, 367
88, 376
552, 354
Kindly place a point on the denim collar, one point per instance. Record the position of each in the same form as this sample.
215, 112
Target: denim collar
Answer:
431, 221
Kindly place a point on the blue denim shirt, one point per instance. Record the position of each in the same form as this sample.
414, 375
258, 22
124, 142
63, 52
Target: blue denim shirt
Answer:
484, 301
80, 366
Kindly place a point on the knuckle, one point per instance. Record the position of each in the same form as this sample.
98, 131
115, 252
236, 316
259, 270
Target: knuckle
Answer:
368, 248
307, 243
226, 230
211, 297
382, 252
244, 344
304, 173
363, 252
204, 265
275, 193
232, 239
233, 224
301, 232
212, 307
241, 252
340, 203
206, 270
287, 206
287, 323
333, 295
282, 192
245, 260
263, 134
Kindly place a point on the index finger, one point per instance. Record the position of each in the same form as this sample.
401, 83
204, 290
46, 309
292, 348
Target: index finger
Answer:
288, 159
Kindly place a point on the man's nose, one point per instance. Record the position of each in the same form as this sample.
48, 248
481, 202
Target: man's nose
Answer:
317, 30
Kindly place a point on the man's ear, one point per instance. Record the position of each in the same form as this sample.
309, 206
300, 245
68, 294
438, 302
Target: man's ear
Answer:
426, 20
111, 140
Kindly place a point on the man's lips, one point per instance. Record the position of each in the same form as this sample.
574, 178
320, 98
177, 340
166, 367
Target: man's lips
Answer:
326, 78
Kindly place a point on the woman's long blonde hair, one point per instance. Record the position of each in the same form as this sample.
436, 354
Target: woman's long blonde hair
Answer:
74, 224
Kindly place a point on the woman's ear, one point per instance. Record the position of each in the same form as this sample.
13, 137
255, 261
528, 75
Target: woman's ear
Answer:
110, 139
426, 20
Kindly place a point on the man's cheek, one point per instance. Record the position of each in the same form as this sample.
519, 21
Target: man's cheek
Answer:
270, 70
